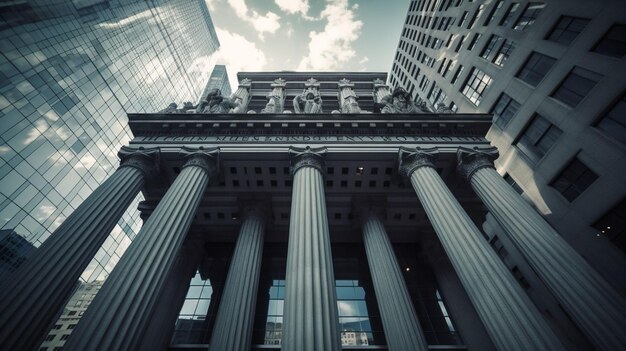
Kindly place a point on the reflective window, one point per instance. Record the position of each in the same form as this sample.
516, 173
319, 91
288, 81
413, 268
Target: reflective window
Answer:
567, 29
494, 12
191, 320
575, 178
576, 86
613, 43
613, 123
503, 110
475, 85
536, 68
538, 138
510, 14
530, 14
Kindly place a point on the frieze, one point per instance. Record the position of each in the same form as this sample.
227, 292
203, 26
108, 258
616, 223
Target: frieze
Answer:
278, 139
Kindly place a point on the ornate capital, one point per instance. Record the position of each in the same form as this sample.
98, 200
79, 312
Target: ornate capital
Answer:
278, 83
345, 83
312, 82
207, 159
307, 157
412, 159
145, 160
245, 83
471, 160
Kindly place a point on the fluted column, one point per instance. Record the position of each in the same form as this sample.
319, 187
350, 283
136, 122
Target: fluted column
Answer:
511, 319
242, 96
311, 319
120, 312
591, 302
36, 291
235, 316
402, 328
347, 97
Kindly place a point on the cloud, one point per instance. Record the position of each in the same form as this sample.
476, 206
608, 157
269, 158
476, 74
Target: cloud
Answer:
268, 23
331, 48
238, 54
294, 6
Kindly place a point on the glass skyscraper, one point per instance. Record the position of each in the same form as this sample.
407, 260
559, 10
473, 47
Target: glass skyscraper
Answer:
69, 73
218, 80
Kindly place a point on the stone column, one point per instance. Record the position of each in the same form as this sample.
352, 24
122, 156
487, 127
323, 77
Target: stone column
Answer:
120, 313
278, 90
235, 316
591, 302
242, 96
38, 290
400, 323
347, 98
311, 319
511, 319
381, 90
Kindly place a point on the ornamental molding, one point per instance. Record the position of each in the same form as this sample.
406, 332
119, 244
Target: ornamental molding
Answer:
471, 160
205, 158
146, 160
410, 159
307, 157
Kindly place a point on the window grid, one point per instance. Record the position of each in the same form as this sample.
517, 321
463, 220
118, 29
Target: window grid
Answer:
475, 86
574, 180
567, 29
503, 110
538, 138
576, 86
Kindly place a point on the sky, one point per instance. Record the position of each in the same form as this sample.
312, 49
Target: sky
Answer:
307, 35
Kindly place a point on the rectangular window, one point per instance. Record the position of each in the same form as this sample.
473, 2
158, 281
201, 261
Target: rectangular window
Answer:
574, 179
530, 14
576, 86
458, 46
457, 74
475, 85
472, 44
535, 68
613, 122
613, 225
613, 43
510, 14
538, 138
567, 29
462, 19
504, 53
489, 51
494, 12
503, 110
476, 16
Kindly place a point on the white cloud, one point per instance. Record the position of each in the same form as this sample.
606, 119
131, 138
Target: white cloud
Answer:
238, 54
364, 60
294, 6
268, 23
331, 48
211, 4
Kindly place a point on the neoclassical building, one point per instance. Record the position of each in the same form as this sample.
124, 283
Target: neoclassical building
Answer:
310, 211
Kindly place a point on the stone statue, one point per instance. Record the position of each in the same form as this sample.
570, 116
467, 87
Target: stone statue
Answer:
273, 105
171, 108
216, 103
400, 101
348, 100
308, 102
443, 109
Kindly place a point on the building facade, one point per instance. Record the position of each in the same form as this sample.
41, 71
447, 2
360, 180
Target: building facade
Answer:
553, 75
312, 211
218, 80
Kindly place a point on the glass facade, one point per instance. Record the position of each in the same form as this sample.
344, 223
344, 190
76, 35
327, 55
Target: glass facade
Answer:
69, 73
218, 80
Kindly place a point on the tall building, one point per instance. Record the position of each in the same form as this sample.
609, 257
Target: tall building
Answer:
14, 250
218, 80
553, 75
317, 210
69, 72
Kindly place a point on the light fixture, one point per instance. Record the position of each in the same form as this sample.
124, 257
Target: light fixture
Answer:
359, 171
408, 269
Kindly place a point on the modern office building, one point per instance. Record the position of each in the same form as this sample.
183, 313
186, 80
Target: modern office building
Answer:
14, 250
553, 74
69, 72
218, 80
313, 210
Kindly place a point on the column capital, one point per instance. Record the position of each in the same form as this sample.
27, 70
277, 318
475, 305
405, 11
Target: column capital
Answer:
145, 160
307, 157
471, 160
205, 158
411, 159
278, 83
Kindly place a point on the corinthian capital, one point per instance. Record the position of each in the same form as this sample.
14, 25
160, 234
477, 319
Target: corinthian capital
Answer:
205, 158
411, 159
145, 160
307, 157
471, 160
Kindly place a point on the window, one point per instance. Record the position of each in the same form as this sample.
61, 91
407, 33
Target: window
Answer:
567, 29
472, 44
494, 12
503, 110
535, 68
50, 337
613, 122
613, 43
457, 74
574, 179
510, 13
576, 86
504, 53
475, 86
476, 16
65, 336
458, 46
538, 138
613, 225
530, 14
462, 19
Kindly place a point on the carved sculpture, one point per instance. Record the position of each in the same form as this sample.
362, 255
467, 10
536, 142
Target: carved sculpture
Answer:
347, 97
171, 108
400, 101
216, 103
273, 105
443, 109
